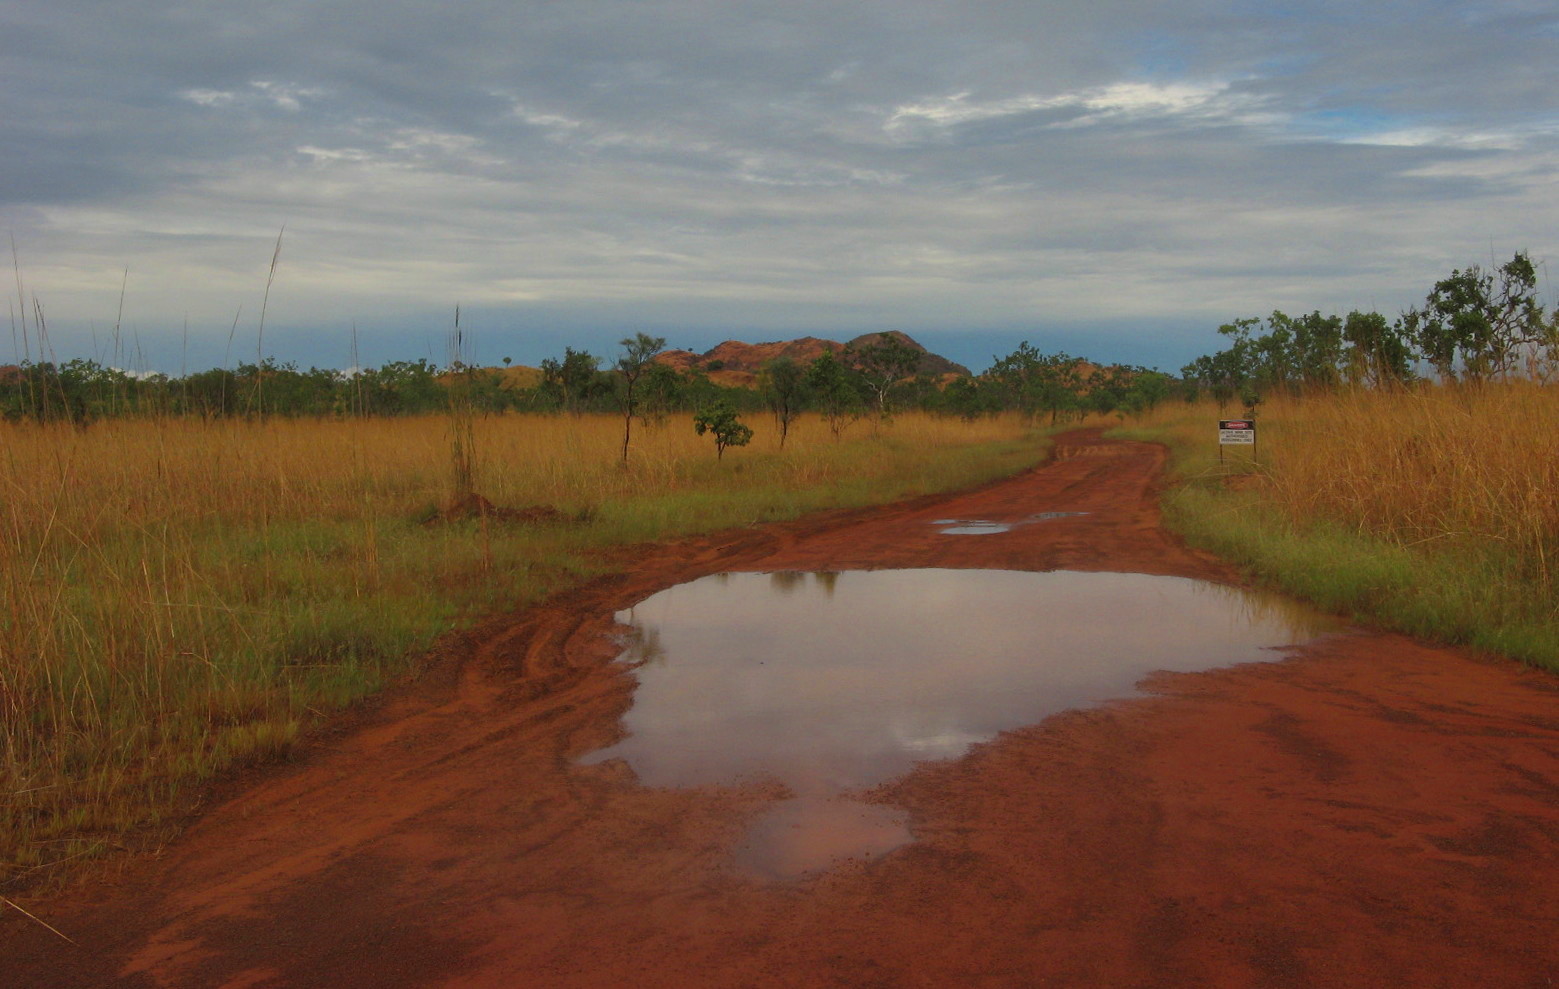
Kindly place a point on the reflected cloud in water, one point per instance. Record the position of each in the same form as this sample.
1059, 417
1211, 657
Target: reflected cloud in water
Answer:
834, 682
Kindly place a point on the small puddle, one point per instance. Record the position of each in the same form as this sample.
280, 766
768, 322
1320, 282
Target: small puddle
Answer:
834, 682
972, 527
985, 527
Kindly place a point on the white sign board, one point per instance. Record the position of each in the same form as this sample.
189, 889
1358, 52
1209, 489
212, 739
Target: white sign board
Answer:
1236, 432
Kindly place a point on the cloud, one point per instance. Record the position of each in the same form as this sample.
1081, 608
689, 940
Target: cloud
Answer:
209, 97
286, 96
815, 167
260, 93
1119, 101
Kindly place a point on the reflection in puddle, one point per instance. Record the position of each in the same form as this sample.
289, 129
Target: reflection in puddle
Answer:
984, 527
833, 683
972, 527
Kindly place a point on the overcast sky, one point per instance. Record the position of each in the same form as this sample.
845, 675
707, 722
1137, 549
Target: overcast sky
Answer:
1112, 178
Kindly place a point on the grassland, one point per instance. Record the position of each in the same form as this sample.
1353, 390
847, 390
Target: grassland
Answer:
180, 598
1433, 510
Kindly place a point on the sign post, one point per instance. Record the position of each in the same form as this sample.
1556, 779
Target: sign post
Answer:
1236, 432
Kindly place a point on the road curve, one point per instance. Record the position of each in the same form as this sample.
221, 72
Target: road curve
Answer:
1371, 810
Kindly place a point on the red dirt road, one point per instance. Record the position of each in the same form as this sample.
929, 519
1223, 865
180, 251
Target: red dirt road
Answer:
1371, 811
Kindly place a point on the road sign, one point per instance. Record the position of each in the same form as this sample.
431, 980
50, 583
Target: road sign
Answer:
1236, 432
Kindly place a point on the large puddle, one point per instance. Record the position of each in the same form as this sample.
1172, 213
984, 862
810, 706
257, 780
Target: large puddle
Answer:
834, 682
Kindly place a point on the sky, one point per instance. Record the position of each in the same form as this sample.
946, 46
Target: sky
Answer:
1113, 179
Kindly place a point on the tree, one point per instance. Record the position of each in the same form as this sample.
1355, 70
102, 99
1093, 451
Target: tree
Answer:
1380, 353
829, 381
1314, 349
1478, 323
1038, 382
721, 420
663, 388
965, 398
571, 379
883, 364
1147, 389
1222, 374
783, 384
638, 351
1543, 361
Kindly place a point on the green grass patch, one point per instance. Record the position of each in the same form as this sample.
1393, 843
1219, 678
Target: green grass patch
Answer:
1455, 591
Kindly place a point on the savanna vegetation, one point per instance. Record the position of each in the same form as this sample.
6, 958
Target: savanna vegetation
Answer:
1432, 510
871, 381
194, 570
181, 595
1407, 471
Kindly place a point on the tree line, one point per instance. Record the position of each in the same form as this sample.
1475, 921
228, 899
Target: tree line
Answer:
871, 380
1475, 325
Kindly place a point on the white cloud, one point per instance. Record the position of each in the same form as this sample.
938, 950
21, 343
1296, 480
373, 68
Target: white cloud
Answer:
1118, 101
537, 118
1433, 137
287, 96
327, 155
208, 97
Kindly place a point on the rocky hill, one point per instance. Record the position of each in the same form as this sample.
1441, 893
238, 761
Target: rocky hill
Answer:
734, 363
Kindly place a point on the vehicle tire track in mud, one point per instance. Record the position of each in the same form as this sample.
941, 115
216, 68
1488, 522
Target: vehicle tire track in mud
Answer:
1371, 810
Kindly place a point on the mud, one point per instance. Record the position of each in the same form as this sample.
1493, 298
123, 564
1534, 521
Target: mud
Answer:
1371, 810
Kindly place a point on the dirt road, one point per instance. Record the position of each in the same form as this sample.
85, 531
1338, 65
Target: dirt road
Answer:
1370, 811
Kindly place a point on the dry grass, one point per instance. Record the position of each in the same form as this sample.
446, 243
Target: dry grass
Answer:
179, 597
1434, 509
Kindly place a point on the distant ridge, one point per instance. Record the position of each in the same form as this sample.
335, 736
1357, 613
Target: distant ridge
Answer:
734, 363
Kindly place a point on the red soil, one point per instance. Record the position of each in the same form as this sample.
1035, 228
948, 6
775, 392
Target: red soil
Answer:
1370, 811
740, 363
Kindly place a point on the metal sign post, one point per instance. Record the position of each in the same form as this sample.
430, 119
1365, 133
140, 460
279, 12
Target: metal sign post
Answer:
1236, 432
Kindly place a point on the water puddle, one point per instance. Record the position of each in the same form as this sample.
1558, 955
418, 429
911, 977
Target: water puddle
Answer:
985, 527
834, 682
972, 527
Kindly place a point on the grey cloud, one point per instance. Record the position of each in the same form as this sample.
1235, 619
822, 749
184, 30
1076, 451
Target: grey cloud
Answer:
947, 164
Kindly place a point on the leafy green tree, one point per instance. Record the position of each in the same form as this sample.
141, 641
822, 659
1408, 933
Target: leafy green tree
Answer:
1313, 349
1544, 359
968, 399
663, 392
882, 364
638, 351
1037, 383
400, 388
783, 383
1379, 353
698, 391
1146, 391
829, 381
1222, 375
1477, 323
571, 381
721, 420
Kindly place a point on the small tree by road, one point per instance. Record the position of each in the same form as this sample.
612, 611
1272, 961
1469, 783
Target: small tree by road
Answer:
721, 420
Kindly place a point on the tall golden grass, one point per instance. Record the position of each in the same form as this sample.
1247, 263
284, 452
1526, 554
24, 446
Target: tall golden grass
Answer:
1433, 508
179, 597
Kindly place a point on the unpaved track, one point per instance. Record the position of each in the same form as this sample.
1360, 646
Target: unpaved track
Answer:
1372, 811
